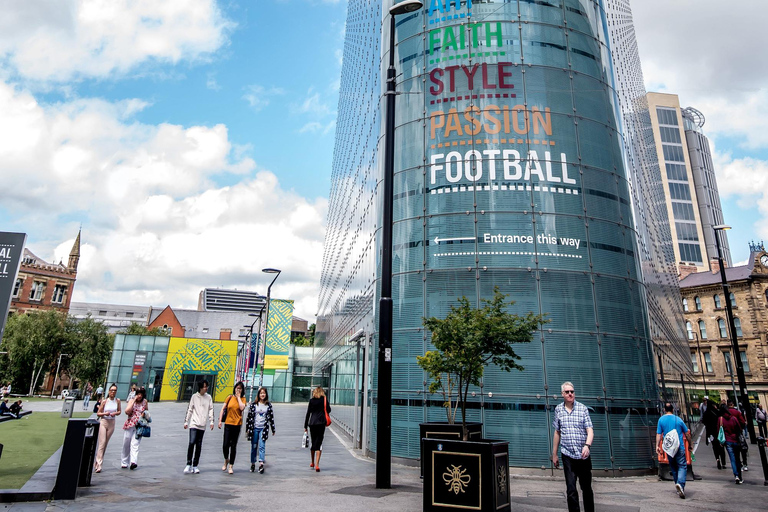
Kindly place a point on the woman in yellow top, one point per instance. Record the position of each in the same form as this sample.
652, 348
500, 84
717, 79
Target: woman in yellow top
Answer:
232, 416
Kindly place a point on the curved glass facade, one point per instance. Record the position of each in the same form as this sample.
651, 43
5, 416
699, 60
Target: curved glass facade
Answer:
511, 171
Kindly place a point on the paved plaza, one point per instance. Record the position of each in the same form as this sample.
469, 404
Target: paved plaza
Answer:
346, 480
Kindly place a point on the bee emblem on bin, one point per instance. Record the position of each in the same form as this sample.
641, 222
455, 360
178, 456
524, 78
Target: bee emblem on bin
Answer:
456, 479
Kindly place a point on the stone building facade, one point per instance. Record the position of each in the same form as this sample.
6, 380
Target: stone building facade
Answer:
43, 285
707, 326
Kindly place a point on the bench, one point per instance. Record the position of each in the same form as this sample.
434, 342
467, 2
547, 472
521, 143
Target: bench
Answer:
21, 415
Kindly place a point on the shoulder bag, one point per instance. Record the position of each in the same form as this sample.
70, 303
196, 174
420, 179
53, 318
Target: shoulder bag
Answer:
224, 411
325, 410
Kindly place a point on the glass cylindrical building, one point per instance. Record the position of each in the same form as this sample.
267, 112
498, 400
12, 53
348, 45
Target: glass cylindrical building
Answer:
511, 171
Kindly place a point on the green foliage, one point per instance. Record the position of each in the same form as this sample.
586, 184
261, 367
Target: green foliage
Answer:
469, 339
35, 340
90, 349
142, 330
301, 341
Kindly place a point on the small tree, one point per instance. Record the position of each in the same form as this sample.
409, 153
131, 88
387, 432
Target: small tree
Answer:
90, 348
141, 330
469, 339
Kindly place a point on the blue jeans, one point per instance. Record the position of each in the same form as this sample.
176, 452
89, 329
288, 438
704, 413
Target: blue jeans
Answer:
679, 467
733, 450
258, 445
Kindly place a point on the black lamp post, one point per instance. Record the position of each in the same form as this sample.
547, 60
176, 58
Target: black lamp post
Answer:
701, 364
249, 338
263, 343
734, 341
384, 404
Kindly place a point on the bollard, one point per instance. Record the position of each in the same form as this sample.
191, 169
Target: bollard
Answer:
763, 459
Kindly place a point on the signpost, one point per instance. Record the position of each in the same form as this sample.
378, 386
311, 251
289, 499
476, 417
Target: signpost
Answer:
11, 250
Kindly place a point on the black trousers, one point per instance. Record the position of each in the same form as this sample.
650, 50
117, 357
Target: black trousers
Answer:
231, 434
195, 444
719, 451
763, 430
580, 469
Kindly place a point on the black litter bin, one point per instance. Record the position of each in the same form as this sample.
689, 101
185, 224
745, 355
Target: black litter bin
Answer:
77, 455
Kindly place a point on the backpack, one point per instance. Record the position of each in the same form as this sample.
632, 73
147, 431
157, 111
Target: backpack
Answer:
671, 442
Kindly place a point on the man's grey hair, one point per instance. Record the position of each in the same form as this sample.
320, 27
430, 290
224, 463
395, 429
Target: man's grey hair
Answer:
566, 383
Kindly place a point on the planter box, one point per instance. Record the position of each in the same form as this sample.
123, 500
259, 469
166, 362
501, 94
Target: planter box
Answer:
441, 430
466, 475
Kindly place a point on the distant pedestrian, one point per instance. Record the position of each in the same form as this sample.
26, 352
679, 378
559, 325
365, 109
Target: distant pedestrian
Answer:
711, 419
100, 390
732, 431
743, 446
318, 410
261, 418
232, 416
134, 409
199, 413
4, 409
87, 397
131, 392
3, 391
762, 417
8, 390
673, 445
108, 410
15, 409
574, 434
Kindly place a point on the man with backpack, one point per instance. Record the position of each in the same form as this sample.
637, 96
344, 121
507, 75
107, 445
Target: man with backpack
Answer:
670, 434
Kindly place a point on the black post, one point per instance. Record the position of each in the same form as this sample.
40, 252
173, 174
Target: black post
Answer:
761, 448
685, 399
701, 365
384, 402
735, 345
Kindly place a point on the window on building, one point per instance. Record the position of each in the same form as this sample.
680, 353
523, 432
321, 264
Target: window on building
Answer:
129, 314
689, 328
744, 361
102, 312
38, 288
680, 191
690, 252
737, 325
676, 172
17, 287
667, 116
205, 330
718, 305
727, 356
708, 362
703, 329
733, 300
670, 135
58, 294
697, 301
683, 211
695, 362
721, 326
685, 305
687, 231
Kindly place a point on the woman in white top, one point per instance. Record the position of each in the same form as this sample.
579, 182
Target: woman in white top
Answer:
108, 410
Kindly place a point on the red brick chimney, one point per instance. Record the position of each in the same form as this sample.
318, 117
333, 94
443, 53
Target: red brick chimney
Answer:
714, 264
225, 334
686, 270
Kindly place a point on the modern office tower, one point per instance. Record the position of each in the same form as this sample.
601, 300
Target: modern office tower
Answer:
690, 186
219, 299
524, 160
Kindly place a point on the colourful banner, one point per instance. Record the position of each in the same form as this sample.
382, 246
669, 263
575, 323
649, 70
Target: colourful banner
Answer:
278, 334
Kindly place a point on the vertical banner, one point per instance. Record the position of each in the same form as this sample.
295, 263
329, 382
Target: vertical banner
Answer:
278, 334
139, 361
11, 249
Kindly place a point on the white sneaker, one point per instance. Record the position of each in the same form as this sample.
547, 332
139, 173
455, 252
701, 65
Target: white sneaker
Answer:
187, 469
195, 470
744, 468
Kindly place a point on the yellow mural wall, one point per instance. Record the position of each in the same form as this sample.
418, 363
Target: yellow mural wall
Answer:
191, 355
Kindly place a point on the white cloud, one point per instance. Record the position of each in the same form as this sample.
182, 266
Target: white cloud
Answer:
258, 97
156, 227
312, 105
315, 127
71, 39
746, 179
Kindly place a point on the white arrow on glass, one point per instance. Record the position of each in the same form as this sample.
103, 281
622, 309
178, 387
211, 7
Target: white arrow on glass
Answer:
438, 240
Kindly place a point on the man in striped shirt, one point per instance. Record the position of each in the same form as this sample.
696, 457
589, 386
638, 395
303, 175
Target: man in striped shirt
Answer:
573, 434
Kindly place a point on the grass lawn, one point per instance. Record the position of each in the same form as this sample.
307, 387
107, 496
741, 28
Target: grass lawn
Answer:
28, 443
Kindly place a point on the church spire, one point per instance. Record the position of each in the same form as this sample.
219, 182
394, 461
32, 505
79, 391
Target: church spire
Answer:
74, 254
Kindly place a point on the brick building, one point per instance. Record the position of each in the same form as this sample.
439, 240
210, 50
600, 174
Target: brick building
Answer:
43, 285
707, 325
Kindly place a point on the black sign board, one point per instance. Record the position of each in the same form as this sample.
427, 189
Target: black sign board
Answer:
11, 250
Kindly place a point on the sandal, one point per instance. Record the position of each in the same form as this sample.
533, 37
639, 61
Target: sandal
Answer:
230, 469
224, 467
311, 466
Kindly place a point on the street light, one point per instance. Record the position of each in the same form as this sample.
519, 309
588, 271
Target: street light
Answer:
734, 341
384, 405
266, 325
701, 363
56, 376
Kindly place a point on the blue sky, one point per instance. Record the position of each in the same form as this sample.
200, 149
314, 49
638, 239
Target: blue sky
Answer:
193, 139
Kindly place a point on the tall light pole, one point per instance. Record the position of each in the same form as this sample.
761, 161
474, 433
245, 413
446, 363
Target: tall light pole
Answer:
263, 343
56, 375
384, 404
701, 363
734, 341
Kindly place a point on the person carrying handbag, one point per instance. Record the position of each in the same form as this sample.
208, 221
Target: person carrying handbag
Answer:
232, 416
261, 418
317, 418
731, 429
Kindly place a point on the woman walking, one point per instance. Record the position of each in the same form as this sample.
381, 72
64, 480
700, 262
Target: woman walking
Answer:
711, 418
134, 409
260, 419
315, 419
232, 416
731, 429
108, 410
199, 412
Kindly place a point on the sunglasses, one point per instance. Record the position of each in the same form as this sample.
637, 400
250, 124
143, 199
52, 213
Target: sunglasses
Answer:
569, 391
